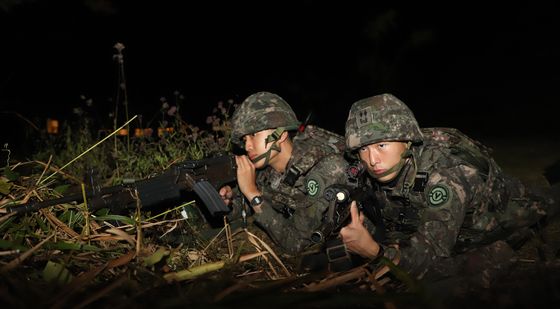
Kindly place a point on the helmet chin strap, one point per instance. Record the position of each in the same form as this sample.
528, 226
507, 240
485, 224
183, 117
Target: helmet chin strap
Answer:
266, 155
397, 167
272, 138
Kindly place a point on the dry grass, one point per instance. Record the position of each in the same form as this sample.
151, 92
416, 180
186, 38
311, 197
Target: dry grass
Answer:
130, 266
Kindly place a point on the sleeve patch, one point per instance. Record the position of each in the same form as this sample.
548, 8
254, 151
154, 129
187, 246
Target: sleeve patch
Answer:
438, 195
313, 186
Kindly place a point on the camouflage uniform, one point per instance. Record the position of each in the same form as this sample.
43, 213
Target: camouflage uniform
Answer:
448, 198
293, 204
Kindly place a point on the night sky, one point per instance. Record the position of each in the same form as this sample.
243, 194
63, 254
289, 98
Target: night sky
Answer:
489, 71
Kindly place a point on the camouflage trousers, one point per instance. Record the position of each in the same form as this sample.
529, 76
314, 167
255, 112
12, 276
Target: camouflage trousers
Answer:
482, 266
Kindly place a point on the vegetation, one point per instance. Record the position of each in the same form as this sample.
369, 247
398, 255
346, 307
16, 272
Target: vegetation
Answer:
66, 247
67, 256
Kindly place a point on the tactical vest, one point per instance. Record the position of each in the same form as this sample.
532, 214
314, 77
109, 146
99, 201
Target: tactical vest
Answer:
309, 148
403, 217
328, 143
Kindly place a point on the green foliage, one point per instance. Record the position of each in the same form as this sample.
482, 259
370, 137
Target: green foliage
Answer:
6, 244
141, 156
123, 219
74, 140
55, 261
10, 175
72, 218
6, 180
55, 272
5, 187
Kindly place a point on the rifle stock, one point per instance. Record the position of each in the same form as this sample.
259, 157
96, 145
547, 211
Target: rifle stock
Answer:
203, 177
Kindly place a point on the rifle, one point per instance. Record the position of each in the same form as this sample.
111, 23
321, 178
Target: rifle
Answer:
338, 214
329, 250
203, 177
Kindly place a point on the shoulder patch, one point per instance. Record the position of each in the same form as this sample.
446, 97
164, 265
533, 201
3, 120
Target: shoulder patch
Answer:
313, 186
438, 195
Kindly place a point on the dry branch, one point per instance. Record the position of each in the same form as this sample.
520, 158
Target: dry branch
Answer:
197, 271
15, 262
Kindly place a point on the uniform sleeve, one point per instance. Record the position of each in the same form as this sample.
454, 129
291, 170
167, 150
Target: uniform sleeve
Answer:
294, 233
236, 204
447, 195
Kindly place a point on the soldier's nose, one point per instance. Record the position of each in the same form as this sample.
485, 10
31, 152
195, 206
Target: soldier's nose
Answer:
373, 159
248, 146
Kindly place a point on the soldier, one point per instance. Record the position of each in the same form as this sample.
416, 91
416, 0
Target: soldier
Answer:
284, 173
440, 193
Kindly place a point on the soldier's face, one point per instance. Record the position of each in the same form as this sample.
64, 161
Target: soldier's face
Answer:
255, 146
380, 157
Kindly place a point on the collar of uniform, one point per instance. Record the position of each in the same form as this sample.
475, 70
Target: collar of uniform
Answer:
396, 187
273, 177
305, 155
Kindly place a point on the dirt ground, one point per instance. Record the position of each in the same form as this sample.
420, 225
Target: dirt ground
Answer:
532, 282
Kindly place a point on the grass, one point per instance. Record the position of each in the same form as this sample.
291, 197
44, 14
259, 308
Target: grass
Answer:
66, 256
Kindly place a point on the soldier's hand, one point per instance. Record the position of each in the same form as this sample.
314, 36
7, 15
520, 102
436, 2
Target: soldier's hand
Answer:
226, 193
356, 237
246, 177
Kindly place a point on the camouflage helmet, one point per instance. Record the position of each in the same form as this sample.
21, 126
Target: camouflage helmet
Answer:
261, 111
380, 118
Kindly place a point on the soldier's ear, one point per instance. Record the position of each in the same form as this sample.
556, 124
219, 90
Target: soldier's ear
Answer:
284, 136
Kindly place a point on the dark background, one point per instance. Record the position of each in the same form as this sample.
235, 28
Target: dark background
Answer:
489, 71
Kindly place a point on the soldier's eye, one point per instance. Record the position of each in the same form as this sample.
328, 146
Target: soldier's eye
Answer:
362, 149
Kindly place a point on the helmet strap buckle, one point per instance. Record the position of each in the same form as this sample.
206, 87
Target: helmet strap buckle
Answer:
274, 136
